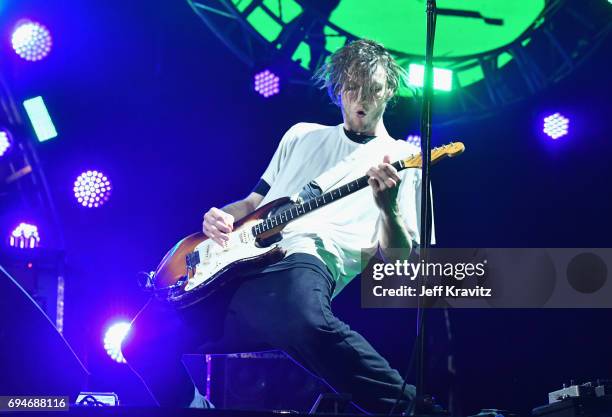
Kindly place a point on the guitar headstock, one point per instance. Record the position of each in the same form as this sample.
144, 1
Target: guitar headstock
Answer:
450, 150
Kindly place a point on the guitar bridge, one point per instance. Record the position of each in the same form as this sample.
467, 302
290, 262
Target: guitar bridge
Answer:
192, 260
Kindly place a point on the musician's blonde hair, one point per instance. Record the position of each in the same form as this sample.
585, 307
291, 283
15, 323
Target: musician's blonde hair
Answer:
354, 65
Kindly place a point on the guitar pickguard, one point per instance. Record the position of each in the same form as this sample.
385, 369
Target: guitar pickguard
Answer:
241, 247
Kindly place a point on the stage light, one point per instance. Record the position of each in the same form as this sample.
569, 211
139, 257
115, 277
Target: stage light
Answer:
556, 125
25, 236
414, 140
443, 78
31, 41
5, 141
92, 189
40, 119
114, 337
267, 83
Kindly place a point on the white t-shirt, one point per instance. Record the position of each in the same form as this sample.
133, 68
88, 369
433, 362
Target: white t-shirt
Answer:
339, 232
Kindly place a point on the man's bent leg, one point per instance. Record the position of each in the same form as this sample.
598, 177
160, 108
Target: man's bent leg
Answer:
291, 309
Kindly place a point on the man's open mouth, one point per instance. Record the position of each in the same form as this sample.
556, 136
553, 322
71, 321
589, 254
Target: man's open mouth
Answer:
361, 113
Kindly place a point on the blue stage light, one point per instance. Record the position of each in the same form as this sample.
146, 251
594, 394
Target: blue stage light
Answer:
31, 41
92, 189
114, 337
25, 236
267, 83
5, 141
556, 125
40, 119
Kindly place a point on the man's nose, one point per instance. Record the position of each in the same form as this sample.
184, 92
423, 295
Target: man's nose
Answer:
363, 102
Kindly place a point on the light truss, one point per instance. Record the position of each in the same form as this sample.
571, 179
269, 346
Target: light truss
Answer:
548, 50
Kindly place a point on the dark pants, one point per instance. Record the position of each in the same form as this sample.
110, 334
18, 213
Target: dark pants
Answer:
287, 310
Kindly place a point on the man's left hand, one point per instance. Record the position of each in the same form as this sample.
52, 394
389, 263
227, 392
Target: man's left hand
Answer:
384, 181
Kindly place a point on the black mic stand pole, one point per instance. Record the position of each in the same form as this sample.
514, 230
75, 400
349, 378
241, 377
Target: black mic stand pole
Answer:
425, 232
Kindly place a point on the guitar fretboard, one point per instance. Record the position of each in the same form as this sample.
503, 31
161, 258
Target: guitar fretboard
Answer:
312, 204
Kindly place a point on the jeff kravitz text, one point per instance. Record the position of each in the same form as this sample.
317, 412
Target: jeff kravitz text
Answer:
435, 291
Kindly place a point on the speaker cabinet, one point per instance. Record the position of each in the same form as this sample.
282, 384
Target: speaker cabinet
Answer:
264, 381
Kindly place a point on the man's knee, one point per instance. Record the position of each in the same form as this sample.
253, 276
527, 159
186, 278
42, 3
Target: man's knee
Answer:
307, 325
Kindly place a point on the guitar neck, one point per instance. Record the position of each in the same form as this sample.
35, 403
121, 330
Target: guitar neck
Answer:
298, 210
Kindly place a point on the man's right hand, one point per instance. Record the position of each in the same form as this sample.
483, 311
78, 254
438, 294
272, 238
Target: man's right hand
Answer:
217, 225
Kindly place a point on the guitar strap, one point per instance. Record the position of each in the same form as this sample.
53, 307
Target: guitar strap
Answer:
355, 164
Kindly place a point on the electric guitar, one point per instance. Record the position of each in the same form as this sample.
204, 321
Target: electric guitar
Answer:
196, 266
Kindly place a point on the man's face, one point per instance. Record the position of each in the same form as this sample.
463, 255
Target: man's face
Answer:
361, 115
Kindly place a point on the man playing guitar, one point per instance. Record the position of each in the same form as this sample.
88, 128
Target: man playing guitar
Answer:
287, 305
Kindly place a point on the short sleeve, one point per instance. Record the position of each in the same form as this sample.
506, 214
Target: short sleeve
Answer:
261, 188
280, 156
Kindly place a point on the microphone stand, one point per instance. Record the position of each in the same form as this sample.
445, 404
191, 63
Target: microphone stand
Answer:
421, 406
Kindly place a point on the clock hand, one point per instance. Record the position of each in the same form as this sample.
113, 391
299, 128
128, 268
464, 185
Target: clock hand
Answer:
471, 14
